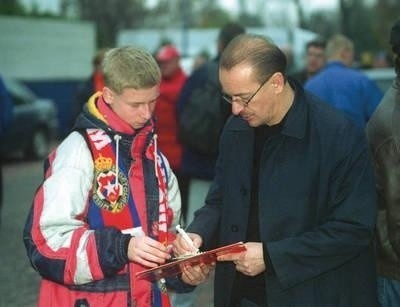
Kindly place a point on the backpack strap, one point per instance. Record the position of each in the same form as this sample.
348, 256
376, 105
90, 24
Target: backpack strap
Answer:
212, 73
213, 80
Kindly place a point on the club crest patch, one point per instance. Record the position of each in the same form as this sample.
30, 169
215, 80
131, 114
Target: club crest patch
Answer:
109, 193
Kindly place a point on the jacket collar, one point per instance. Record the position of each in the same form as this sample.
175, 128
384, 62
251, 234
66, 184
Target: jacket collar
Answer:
113, 120
334, 63
98, 114
295, 124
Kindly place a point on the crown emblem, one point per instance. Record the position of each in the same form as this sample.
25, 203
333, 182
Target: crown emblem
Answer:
103, 163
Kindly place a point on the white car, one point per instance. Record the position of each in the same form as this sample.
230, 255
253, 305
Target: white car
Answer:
382, 76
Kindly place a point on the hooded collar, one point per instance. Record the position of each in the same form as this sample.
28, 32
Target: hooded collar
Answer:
97, 114
112, 119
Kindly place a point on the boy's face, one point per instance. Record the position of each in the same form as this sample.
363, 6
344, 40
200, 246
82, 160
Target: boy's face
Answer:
133, 106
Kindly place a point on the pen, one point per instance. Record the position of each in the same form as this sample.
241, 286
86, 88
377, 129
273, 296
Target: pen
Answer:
186, 237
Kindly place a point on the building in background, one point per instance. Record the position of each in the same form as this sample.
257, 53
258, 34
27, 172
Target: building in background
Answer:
50, 56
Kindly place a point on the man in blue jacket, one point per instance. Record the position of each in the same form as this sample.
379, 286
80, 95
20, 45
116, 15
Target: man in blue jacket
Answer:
294, 181
342, 86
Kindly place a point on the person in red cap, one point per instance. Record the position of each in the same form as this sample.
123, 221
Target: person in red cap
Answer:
173, 78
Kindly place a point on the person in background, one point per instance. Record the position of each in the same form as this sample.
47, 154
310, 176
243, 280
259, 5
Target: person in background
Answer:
383, 131
303, 201
6, 113
290, 58
109, 199
172, 80
342, 86
314, 60
382, 60
199, 167
93, 84
200, 59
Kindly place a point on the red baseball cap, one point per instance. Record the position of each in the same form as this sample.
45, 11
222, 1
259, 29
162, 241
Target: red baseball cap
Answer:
167, 53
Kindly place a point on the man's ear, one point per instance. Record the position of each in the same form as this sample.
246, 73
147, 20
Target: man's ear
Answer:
278, 82
108, 95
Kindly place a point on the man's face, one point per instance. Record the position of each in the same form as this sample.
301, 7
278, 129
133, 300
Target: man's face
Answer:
168, 67
133, 106
315, 59
239, 85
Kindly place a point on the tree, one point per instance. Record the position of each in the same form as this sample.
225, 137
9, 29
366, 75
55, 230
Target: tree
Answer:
368, 25
386, 13
322, 22
250, 20
110, 16
300, 14
11, 7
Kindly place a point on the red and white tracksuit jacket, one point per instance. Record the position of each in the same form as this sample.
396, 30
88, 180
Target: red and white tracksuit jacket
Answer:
101, 186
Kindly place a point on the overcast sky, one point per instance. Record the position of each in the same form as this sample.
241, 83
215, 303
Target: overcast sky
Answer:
53, 5
307, 4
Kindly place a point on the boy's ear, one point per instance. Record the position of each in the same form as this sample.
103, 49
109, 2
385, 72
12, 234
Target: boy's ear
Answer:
108, 95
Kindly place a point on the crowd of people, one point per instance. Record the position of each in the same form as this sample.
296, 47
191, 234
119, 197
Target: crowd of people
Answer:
306, 175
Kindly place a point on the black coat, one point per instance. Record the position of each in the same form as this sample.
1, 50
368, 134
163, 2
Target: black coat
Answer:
317, 208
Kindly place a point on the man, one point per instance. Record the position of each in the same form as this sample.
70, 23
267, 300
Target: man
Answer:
314, 60
172, 80
303, 200
109, 198
383, 132
344, 87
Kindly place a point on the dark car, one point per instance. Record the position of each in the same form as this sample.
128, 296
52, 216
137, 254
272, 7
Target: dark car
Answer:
34, 125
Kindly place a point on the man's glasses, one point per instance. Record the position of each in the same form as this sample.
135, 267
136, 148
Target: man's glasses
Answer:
243, 102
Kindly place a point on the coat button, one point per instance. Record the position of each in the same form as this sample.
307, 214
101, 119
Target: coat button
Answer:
234, 228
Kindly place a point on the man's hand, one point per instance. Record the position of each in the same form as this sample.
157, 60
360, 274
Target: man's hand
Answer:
147, 251
192, 275
181, 247
195, 275
249, 262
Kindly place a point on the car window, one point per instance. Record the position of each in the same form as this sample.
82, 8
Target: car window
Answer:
19, 92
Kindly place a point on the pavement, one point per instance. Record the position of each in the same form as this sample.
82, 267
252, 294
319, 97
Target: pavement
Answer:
19, 283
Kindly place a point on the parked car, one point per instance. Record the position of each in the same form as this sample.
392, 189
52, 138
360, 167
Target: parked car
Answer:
382, 76
34, 125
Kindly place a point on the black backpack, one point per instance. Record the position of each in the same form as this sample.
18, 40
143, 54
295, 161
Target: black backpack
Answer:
203, 115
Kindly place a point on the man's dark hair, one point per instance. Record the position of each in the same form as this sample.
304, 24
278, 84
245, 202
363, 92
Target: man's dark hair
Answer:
319, 43
258, 51
228, 32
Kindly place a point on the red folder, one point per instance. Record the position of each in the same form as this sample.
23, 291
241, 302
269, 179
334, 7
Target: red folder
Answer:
174, 268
